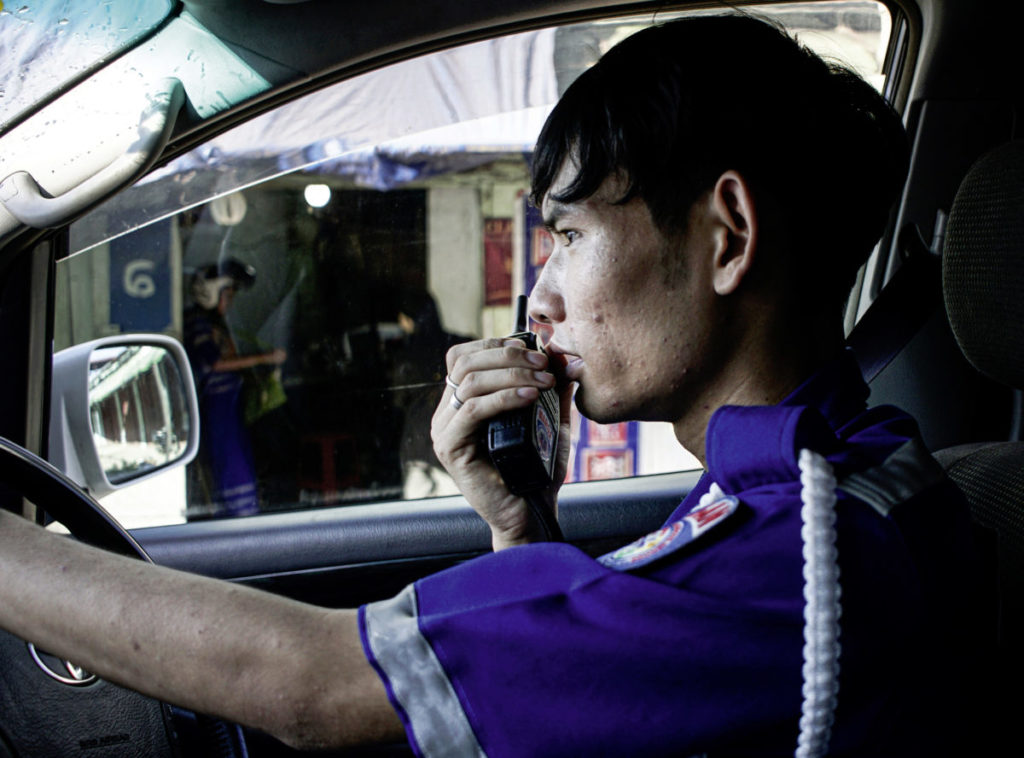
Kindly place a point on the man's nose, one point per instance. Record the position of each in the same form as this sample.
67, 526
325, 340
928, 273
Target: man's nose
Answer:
546, 304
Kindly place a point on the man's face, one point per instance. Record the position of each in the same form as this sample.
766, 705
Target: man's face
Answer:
627, 307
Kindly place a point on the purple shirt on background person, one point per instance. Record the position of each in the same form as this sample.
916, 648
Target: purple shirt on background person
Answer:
690, 640
225, 483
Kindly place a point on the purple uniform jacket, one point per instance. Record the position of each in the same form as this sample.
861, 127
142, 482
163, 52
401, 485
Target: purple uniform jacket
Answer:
690, 642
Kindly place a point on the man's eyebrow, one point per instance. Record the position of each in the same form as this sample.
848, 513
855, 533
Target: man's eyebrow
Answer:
556, 211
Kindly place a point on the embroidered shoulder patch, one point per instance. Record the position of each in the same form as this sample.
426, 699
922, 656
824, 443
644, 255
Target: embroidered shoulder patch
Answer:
670, 538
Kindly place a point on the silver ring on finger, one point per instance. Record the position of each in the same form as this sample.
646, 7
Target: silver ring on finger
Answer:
451, 382
455, 402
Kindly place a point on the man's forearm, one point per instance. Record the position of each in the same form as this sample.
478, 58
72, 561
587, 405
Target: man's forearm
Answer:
293, 670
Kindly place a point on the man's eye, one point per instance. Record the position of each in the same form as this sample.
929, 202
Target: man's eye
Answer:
569, 235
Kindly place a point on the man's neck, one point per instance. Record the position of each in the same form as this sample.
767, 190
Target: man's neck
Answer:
762, 373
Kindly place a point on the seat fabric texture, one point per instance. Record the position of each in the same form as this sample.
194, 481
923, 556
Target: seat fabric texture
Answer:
983, 291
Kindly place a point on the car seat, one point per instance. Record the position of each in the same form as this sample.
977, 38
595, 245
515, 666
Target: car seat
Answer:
983, 289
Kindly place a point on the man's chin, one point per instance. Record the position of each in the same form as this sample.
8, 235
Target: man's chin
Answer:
598, 410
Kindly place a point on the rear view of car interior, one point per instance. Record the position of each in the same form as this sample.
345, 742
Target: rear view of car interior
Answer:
361, 170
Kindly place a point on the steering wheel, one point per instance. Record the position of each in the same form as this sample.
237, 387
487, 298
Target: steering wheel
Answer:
52, 708
39, 481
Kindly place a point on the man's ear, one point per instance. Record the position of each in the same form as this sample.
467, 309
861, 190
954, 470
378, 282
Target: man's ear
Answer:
736, 245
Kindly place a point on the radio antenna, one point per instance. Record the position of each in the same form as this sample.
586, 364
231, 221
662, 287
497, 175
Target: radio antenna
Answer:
521, 317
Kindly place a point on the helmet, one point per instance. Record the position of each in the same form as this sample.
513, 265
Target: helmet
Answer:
210, 280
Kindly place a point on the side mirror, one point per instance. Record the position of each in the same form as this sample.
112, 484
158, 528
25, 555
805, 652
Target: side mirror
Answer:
122, 409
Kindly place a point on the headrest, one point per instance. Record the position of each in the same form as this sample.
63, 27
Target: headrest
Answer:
983, 265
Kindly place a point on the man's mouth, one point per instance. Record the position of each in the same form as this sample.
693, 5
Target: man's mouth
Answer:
564, 363
573, 368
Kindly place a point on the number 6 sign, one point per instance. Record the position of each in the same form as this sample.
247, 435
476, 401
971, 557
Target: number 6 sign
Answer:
138, 278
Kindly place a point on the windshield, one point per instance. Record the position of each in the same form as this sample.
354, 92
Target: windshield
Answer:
48, 44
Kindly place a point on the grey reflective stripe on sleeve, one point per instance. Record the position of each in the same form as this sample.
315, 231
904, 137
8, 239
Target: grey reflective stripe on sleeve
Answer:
418, 682
908, 471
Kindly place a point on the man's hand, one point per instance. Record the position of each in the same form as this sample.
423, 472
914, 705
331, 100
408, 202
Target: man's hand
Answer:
494, 376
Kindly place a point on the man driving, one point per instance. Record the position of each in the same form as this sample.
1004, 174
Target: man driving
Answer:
712, 188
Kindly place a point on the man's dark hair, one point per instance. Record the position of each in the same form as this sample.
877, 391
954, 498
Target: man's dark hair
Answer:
674, 106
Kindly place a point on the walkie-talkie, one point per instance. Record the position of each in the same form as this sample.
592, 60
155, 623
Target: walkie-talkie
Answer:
523, 443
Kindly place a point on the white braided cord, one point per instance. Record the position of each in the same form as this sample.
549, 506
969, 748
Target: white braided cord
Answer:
822, 609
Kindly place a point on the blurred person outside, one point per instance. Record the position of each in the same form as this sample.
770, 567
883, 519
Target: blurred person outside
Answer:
418, 371
223, 477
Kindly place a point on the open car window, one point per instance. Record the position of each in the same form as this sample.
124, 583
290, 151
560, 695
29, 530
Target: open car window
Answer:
318, 261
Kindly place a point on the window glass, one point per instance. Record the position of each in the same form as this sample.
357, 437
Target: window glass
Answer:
318, 261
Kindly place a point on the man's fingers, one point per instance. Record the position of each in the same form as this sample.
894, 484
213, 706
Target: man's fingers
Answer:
483, 355
465, 349
480, 383
485, 367
476, 410
456, 427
